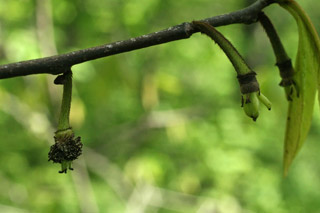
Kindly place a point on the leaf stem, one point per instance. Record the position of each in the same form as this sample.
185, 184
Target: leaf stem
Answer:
276, 43
283, 61
66, 101
236, 59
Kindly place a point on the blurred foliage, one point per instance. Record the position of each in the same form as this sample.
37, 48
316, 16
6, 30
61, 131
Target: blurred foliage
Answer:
163, 127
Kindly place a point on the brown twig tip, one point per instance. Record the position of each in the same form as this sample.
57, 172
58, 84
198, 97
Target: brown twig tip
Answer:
286, 72
248, 83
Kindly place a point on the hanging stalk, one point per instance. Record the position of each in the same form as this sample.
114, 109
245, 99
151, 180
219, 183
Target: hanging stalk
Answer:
66, 80
283, 61
249, 86
66, 147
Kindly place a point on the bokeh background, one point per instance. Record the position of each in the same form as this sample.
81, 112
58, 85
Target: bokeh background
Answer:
162, 127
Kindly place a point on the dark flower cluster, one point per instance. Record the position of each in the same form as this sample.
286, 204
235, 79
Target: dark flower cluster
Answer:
66, 148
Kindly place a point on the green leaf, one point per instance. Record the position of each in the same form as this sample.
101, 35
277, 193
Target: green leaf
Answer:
306, 74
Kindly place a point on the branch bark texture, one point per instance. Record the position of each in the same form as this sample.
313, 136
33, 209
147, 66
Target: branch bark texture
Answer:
61, 63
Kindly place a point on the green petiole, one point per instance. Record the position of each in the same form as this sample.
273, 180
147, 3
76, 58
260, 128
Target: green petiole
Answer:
249, 86
66, 148
66, 101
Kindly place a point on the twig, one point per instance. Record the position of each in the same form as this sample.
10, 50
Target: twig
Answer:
60, 63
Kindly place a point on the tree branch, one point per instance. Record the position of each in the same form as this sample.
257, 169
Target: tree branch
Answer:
61, 63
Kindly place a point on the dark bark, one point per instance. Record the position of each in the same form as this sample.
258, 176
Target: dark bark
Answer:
61, 63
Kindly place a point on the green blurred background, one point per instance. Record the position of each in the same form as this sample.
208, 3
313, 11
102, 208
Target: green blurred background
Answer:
162, 127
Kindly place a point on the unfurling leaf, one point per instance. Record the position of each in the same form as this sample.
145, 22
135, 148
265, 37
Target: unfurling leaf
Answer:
306, 74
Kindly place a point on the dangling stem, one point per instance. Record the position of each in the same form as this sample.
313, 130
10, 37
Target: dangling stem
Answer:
246, 76
232, 53
66, 101
249, 85
276, 43
283, 61
66, 148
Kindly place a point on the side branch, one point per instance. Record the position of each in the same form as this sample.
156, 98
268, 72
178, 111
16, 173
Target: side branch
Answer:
61, 63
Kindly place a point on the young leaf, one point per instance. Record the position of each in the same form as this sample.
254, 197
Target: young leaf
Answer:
306, 74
